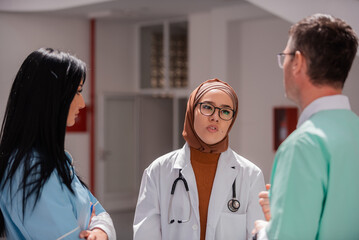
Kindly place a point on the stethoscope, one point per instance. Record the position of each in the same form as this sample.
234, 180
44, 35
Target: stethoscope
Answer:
233, 204
180, 178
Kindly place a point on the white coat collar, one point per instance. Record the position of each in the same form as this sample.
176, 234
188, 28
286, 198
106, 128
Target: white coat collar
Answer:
184, 158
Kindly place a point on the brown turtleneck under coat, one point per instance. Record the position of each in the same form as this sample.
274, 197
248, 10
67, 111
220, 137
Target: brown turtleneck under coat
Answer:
204, 166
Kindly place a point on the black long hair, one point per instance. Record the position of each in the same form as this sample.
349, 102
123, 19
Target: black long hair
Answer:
35, 121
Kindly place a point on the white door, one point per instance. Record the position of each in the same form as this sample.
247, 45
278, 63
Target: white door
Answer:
135, 130
155, 128
117, 175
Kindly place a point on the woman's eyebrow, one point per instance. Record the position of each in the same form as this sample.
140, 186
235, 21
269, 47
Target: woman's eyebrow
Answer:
209, 102
225, 106
222, 106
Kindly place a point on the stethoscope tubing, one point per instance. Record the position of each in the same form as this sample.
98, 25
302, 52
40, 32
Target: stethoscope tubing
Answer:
180, 178
233, 204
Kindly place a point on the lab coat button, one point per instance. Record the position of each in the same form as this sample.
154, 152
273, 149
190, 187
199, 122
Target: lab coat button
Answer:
195, 227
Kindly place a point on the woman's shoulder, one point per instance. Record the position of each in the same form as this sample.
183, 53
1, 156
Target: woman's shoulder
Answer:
166, 159
244, 162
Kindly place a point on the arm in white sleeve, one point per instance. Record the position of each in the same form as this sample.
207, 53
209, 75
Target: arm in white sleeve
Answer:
104, 222
147, 222
102, 219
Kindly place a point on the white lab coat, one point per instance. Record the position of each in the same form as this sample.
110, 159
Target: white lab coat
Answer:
151, 216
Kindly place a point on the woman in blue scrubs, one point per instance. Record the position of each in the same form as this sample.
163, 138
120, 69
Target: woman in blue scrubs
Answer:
41, 196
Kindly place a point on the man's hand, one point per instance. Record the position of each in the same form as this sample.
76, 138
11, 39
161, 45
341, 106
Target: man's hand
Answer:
264, 202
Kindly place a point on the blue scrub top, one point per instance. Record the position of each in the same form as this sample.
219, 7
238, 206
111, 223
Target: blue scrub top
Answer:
58, 214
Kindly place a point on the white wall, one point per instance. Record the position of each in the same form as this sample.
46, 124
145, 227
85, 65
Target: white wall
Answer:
238, 44
20, 34
115, 57
115, 67
351, 87
257, 79
294, 11
199, 41
115, 73
249, 38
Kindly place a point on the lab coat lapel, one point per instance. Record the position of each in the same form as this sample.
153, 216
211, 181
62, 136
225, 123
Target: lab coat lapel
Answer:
184, 162
227, 171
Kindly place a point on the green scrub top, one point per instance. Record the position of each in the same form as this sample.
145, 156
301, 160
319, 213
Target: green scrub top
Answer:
315, 180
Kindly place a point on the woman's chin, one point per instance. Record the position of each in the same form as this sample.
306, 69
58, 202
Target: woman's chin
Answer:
70, 124
212, 141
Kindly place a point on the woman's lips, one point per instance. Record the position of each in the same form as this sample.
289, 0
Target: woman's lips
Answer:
212, 128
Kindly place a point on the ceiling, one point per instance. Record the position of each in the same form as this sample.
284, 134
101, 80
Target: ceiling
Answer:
128, 10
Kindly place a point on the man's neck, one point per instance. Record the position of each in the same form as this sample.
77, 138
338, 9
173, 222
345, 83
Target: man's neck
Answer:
314, 92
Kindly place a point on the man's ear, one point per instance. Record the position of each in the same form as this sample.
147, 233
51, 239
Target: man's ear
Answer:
299, 63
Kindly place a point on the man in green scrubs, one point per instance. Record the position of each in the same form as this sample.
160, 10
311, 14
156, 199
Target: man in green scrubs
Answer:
315, 177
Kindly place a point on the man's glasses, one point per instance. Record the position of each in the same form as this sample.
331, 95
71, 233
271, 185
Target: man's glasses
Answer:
281, 57
208, 109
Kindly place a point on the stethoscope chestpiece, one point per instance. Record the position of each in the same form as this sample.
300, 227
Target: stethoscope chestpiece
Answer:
233, 205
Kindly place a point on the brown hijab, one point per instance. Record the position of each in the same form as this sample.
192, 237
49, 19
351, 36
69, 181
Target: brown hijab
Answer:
189, 133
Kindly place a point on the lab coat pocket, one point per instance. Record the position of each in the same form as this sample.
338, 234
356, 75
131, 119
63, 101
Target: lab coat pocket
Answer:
231, 226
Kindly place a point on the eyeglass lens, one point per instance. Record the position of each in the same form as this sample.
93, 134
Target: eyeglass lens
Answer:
281, 60
208, 110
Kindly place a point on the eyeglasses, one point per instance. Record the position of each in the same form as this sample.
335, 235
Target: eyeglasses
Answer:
281, 57
208, 109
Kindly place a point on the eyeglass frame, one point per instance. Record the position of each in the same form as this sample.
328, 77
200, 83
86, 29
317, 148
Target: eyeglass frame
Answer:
219, 110
282, 55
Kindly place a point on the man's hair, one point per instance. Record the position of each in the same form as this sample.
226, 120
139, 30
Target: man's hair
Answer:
329, 46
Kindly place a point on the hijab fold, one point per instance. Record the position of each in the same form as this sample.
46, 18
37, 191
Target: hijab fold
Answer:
189, 133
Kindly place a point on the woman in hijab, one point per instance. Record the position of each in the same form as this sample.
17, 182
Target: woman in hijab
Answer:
204, 190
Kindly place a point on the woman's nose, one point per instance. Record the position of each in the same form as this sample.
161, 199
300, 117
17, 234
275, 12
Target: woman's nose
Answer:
215, 115
82, 102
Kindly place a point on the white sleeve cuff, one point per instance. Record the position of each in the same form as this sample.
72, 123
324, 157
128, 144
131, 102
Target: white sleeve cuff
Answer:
262, 234
104, 221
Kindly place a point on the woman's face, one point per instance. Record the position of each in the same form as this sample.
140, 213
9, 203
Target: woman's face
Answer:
212, 129
77, 103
